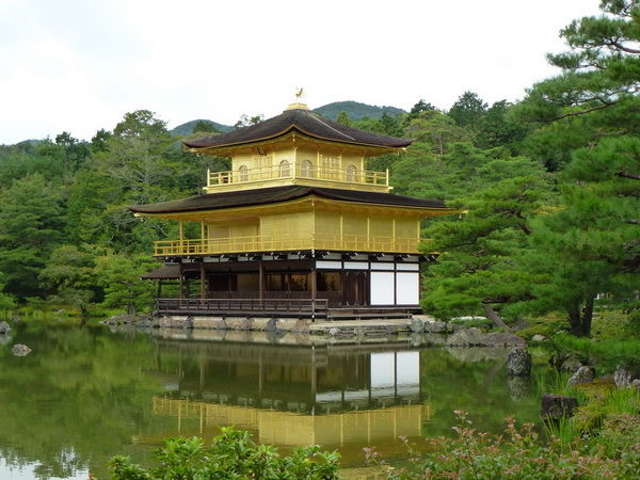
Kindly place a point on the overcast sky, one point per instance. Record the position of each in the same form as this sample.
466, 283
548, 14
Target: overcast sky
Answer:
80, 65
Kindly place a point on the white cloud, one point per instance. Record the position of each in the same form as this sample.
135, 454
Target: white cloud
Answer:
80, 65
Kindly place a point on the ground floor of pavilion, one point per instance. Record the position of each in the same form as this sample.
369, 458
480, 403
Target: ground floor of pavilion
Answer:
304, 284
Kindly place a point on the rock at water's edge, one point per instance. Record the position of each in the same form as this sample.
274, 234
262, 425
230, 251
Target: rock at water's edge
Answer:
519, 362
417, 325
555, 407
583, 375
5, 328
475, 337
434, 326
20, 350
622, 377
570, 364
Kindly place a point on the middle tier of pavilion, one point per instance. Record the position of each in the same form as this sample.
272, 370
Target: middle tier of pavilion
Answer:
294, 218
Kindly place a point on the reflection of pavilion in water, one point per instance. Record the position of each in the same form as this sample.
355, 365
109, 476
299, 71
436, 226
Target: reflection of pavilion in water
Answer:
293, 396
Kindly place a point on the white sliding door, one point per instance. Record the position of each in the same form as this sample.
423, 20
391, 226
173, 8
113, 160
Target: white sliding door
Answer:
382, 291
407, 288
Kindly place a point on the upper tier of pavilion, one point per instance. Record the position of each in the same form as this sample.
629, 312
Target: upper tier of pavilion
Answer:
297, 147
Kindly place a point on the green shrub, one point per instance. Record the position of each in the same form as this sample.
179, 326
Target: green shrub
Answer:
606, 354
519, 454
604, 402
546, 326
231, 456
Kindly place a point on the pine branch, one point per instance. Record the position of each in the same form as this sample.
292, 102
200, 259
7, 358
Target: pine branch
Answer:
583, 112
628, 175
620, 46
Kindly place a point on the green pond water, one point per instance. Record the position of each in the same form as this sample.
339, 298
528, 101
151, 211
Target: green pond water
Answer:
86, 394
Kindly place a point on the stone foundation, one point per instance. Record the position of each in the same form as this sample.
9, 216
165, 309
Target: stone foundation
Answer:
297, 325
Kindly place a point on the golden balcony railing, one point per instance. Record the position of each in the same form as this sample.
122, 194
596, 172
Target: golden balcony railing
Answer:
250, 244
257, 176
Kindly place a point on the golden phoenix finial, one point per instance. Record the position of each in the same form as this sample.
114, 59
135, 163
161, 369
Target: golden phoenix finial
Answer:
299, 93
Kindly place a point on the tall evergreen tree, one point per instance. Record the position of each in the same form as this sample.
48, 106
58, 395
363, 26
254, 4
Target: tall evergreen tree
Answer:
468, 110
478, 271
590, 246
31, 226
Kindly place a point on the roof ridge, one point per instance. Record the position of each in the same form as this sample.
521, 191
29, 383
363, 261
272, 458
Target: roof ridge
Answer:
319, 119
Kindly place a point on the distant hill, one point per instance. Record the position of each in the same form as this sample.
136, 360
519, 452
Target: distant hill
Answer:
356, 110
187, 128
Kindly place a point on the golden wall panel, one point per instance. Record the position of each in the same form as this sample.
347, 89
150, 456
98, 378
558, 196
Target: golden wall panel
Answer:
354, 224
406, 227
381, 226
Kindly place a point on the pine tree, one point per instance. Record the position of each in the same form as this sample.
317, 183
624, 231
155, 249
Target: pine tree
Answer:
31, 226
468, 110
478, 270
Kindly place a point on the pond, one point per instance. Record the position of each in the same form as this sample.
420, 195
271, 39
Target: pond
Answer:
86, 394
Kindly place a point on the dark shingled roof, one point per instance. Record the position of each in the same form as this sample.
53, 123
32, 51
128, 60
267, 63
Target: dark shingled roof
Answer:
303, 121
262, 196
165, 272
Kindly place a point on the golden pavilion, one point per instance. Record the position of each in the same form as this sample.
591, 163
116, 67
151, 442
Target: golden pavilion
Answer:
297, 227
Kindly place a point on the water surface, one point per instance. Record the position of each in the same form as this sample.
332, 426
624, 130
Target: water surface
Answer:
86, 394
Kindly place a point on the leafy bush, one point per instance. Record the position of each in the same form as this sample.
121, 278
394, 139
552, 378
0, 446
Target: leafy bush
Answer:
231, 456
547, 325
605, 353
519, 454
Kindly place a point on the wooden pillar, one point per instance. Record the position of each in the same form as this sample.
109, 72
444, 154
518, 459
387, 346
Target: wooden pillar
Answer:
314, 281
203, 238
294, 169
393, 234
181, 230
314, 289
203, 281
181, 280
261, 280
343, 283
368, 231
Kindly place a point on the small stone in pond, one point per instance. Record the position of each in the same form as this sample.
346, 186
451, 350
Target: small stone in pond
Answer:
20, 350
519, 363
538, 338
5, 328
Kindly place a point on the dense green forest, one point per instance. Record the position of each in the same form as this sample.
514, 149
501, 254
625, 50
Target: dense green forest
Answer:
551, 186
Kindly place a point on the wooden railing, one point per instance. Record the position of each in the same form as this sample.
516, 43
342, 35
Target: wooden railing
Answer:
251, 175
250, 244
274, 306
